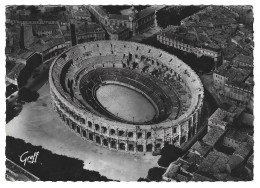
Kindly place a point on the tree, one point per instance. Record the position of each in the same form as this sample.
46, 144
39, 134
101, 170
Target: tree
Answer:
155, 173
169, 153
26, 95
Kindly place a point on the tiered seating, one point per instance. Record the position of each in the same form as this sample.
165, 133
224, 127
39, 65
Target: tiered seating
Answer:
113, 63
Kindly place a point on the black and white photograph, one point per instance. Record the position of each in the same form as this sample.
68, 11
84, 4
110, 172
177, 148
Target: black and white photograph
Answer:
129, 92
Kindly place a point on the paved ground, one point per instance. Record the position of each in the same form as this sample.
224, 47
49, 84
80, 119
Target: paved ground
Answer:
38, 125
125, 103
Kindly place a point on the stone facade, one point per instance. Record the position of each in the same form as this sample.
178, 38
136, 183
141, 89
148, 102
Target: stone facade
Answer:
67, 71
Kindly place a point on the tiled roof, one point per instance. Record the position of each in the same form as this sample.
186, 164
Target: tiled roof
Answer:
245, 148
45, 27
243, 59
236, 135
49, 43
89, 28
201, 147
118, 17
116, 29
235, 75
213, 136
214, 163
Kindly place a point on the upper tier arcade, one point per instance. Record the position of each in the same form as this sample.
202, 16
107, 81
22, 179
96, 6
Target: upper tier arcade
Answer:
172, 87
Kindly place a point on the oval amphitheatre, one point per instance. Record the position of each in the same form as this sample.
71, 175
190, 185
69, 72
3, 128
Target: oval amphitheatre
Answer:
126, 96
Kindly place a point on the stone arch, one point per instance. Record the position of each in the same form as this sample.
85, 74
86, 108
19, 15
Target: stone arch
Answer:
149, 135
122, 146
139, 135
84, 133
78, 129
73, 126
105, 142
140, 148
149, 147
130, 134
82, 120
67, 121
121, 133
131, 147
98, 140
63, 117
97, 127
91, 137
89, 124
112, 132
158, 146
103, 129
113, 144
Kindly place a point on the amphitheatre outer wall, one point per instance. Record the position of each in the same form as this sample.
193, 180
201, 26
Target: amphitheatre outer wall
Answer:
107, 132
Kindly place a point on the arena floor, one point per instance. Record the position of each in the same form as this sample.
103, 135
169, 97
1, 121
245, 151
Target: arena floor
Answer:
126, 103
39, 125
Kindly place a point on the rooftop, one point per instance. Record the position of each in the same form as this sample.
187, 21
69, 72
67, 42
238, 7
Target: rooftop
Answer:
100, 10
89, 28
191, 35
235, 75
237, 135
210, 16
245, 148
116, 29
176, 172
223, 118
118, 17
81, 13
45, 27
201, 148
213, 136
243, 59
193, 159
145, 12
46, 43
214, 163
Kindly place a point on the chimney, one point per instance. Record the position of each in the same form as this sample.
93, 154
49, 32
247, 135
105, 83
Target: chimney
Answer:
73, 34
22, 38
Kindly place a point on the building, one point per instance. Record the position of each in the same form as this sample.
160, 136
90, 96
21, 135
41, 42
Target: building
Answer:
213, 136
45, 15
200, 148
243, 61
210, 17
136, 21
234, 84
43, 30
175, 172
188, 40
49, 46
241, 154
90, 32
234, 138
222, 119
81, 15
118, 32
213, 164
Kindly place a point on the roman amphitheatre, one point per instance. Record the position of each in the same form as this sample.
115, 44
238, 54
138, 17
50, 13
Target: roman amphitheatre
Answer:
126, 96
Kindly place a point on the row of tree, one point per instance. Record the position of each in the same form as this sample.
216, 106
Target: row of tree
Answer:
50, 166
169, 154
